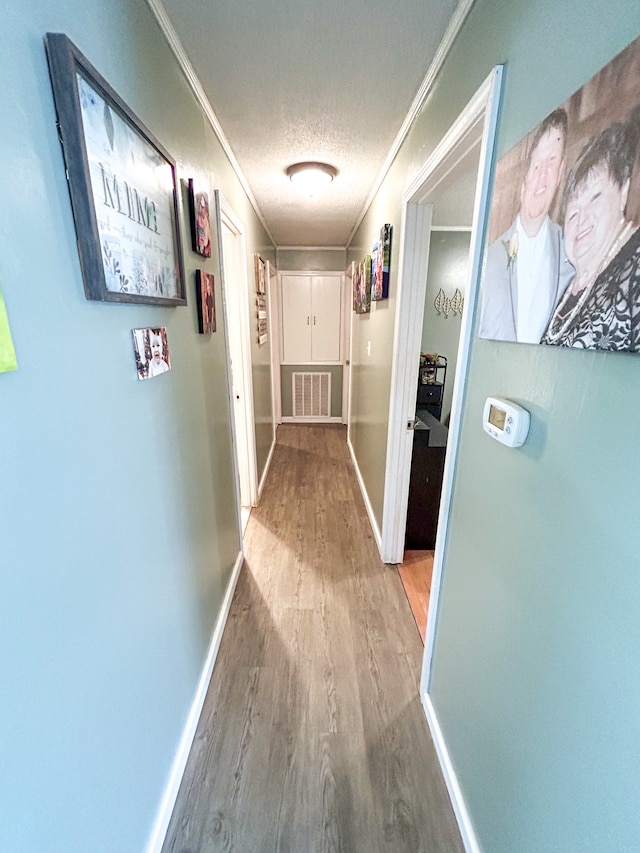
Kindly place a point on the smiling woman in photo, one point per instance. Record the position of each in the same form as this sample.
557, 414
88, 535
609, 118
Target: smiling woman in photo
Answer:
601, 307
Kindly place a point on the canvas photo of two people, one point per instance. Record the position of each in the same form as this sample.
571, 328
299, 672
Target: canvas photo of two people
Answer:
562, 267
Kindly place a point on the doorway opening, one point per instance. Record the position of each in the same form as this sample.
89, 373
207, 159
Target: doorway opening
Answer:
233, 265
446, 199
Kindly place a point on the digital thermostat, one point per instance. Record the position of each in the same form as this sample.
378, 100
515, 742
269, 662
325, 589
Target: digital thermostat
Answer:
505, 421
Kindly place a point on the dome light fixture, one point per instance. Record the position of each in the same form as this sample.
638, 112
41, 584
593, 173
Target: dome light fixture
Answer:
311, 176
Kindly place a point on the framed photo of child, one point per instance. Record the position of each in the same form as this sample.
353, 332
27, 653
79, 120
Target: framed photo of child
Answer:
206, 298
200, 218
151, 350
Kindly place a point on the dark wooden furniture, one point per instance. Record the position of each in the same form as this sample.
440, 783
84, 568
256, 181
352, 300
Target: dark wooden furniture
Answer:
431, 380
425, 484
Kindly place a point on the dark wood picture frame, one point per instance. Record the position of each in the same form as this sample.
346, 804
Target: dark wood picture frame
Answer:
122, 184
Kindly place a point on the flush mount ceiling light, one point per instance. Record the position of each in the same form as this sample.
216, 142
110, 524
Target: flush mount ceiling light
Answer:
311, 176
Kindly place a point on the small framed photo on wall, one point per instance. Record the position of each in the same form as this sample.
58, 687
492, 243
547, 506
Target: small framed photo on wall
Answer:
206, 298
151, 350
200, 218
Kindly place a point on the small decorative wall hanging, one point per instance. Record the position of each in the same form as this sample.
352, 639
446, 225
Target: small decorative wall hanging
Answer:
7, 352
200, 219
446, 305
151, 350
261, 300
206, 297
261, 275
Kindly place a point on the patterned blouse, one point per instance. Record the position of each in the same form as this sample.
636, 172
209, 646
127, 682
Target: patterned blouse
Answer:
609, 318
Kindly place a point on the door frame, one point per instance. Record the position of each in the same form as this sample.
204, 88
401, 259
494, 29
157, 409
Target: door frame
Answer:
237, 323
477, 121
479, 116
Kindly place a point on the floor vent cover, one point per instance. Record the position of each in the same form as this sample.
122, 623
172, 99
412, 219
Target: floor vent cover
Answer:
311, 395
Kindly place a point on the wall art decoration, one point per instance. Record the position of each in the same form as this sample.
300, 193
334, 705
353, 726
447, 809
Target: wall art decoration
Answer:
122, 184
200, 219
362, 286
381, 264
562, 267
261, 275
8, 359
206, 298
261, 300
151, 350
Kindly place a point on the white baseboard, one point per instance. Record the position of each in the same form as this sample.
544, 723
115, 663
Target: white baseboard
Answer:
167, 803
266, 468
471, 844
365, 497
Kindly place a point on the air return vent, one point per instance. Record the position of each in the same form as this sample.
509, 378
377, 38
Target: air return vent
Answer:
311, 395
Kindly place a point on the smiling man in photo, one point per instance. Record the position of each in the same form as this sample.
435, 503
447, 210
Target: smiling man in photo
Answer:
526, 269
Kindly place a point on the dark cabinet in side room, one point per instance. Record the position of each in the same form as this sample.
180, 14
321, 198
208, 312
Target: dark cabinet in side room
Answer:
425, 483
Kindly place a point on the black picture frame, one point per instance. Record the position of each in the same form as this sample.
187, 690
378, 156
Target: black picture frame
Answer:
206, 299
123, 187
200, 219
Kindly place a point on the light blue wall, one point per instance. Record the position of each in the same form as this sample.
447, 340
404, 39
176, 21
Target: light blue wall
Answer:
535, 675
117, 517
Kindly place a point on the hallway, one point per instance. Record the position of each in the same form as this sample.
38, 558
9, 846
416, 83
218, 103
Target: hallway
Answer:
312, 737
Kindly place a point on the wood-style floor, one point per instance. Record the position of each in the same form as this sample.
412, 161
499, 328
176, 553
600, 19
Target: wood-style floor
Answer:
415, 573
313, 738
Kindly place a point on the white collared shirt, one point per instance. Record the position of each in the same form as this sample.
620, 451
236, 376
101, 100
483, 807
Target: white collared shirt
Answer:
533, 268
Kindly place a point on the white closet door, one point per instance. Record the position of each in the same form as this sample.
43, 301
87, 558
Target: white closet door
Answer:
326, 315
296, 319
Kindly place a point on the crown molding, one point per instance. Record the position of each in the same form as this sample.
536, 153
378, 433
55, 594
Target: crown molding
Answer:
311, 248
164, 22
451, 33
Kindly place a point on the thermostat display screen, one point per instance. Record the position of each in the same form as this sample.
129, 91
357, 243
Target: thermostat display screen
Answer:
505, 421
497, 417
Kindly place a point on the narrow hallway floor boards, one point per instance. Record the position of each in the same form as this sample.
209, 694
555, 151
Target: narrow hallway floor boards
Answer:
312, 737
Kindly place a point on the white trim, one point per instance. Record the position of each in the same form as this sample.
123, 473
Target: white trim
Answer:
412, 281
412, 274
311, 248
164, 22
365, 495
463, 228
455, 25
273, 294
267, 466
235, 225
163, 816
480, 215
465, 825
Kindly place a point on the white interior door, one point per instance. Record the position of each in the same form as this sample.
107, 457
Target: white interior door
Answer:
235, 294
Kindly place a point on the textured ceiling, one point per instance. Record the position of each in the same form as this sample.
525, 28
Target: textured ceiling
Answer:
293, 80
